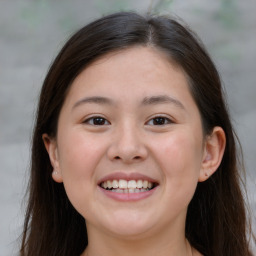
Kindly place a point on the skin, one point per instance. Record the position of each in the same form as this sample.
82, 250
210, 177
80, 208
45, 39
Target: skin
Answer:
129, 139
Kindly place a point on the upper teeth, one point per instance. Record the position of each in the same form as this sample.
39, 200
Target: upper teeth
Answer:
124, 184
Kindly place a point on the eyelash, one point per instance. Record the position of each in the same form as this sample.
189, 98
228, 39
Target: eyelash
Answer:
162, 120
155, 121
94, 119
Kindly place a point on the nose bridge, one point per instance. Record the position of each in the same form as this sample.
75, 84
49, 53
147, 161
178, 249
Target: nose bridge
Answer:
127, 143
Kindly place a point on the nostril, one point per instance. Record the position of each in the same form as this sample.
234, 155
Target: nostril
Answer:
134, 158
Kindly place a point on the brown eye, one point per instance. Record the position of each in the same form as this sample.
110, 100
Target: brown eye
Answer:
97, 121
160, 120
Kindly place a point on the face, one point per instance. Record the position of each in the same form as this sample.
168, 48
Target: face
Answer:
129, 147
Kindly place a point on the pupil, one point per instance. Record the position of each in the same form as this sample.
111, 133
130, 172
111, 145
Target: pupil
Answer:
98, 121
159, 121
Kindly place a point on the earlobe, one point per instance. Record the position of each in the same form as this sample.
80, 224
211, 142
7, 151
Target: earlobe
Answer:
51, 147
213, 153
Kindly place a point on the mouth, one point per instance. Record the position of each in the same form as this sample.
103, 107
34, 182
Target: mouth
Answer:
128, 186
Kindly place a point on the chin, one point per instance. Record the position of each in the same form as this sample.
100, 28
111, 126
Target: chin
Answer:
129, 226
131, 232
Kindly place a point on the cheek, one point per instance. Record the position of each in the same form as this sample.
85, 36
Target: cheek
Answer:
182, 153
180, 161
79, 155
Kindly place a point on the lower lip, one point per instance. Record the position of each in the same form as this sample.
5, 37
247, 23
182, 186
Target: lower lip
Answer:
126, 197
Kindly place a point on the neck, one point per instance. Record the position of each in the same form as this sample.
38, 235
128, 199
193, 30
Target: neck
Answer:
160, 244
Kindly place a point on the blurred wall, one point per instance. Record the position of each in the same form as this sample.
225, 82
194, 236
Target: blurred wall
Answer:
33, 31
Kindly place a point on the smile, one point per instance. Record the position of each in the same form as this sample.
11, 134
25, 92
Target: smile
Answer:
127, 186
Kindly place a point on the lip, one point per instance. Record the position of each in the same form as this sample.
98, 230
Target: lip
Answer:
126, 197
127, 176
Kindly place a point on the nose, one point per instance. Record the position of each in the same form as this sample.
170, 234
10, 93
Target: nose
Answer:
127, 145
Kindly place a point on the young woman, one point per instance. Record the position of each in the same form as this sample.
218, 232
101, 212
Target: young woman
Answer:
133, 149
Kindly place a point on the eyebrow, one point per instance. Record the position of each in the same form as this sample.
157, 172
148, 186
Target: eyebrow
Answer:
153, 100
162, 99
95, 100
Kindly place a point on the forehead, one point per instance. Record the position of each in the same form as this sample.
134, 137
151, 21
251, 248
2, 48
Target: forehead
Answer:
136, 59
145, 68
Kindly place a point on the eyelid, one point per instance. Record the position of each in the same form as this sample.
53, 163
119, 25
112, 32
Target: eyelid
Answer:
168, 118
90, 118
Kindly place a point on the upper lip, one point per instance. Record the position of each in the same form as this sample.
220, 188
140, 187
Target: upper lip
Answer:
127, 176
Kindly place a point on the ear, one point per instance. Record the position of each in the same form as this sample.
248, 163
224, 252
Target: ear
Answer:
52, 149
213, 152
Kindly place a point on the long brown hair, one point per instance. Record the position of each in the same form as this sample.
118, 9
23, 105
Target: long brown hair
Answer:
216, 223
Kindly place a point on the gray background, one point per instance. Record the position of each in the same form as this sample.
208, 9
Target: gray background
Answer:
33, 31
